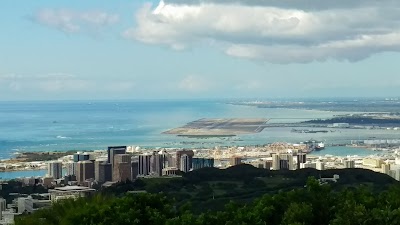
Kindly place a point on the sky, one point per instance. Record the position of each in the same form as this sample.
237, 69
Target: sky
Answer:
183, 49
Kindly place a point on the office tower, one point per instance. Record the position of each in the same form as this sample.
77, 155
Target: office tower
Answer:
235, 161
185, 163
135, 169
267, 165
71, 168
54, 169
282, 161
102, 171
122, 167
275, 162
180, 153
286, 161
25, 205
79, 156
144, 164
349, 164
84, 171
385, 168
3, 204
320, 165
115, 150
166, 159
198, 163
301, 158
156, 164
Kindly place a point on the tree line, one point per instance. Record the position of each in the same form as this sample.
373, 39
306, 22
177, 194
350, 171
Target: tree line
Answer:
314, 204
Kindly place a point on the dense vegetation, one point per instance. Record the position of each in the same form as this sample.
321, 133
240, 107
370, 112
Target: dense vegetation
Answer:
358, 120
343, 105
13, 188
212, 188
41, 156
313, 204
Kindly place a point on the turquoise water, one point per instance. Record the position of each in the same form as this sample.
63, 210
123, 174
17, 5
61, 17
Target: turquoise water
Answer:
344, 151
82, 125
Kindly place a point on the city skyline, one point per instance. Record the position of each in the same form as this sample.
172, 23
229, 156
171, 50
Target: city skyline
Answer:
59, 50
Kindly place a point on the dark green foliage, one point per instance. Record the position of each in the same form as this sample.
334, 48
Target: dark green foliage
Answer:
313, 204
13, 186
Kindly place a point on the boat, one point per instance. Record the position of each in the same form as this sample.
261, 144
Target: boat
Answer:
319, 146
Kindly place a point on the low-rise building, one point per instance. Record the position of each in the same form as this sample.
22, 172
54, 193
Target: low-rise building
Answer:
59, 193
371, 162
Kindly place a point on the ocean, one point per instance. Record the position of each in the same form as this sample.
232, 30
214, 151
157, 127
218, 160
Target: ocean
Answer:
91, 125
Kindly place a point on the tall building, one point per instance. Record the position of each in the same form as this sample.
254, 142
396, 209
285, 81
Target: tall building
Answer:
54, 169
320, 165
235, 161
198, 163
166, 159
275, 162
144, 164
286, 161
180, 153
84, 171
185, 163
122, 167
349, 164
385, 168
102, 171
156, 163
71, 168
114, 150
3, 204
282, 162
135, 169
79, 156
301, 158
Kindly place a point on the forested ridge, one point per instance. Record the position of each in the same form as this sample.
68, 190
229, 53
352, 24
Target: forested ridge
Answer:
238, 195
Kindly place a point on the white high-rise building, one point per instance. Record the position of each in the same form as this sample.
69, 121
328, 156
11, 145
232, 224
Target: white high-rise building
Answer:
385, 168
320, 165
54, 169
275, 162
71, 168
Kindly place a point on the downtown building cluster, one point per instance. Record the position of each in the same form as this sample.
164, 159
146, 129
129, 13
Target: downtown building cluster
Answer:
120, 166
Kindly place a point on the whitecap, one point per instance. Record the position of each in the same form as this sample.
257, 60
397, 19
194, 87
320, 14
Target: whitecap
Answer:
62, 137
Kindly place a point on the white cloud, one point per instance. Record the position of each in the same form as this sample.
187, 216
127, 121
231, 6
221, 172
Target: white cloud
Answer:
278, 31
71, 21
193, 83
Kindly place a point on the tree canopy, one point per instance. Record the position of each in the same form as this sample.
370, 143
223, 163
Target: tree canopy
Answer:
313, 204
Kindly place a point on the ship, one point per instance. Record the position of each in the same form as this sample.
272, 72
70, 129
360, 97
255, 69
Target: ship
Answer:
319, 146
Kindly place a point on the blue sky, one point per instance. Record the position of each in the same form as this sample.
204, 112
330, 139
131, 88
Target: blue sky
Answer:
198, 49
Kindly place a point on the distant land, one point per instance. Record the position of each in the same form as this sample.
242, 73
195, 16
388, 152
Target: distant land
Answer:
390, 105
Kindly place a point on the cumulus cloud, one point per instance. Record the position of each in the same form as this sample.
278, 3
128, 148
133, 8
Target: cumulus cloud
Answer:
277, 31
71, 21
